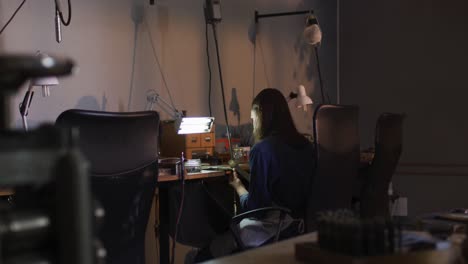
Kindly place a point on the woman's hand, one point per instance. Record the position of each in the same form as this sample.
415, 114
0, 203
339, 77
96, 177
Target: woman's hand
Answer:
236, 183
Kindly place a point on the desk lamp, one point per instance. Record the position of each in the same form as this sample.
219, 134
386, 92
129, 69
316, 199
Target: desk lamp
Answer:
183, 125
44, 82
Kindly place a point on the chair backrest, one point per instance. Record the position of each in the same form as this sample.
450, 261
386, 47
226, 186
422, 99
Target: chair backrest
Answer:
122, 149
388, 147
336, 138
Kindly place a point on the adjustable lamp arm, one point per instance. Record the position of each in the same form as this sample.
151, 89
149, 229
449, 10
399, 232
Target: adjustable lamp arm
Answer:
258, 16
154, 97
24, 106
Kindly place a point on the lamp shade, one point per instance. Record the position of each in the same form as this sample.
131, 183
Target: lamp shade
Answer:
302, 99
45, 81
312, 32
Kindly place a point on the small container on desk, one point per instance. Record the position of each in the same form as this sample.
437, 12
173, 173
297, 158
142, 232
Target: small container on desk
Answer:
222, 144
193, 166
241, 154
169, 166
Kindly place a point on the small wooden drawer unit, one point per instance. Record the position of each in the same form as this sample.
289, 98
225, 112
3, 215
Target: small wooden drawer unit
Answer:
207, 140
193, 145
192, 141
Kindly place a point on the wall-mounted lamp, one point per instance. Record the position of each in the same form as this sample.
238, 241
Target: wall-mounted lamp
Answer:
302, 100
183, 124
312, 35
312, 32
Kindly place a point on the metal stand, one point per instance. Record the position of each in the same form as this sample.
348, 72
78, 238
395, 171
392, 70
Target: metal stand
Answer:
24, 106
213, 25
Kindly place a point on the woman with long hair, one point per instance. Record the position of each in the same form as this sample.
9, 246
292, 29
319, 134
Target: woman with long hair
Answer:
281, 161
281, 166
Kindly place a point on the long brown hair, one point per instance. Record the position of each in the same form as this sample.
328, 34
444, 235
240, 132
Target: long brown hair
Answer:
274, 118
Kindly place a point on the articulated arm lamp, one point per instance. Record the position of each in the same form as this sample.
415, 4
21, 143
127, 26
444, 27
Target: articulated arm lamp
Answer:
183, 124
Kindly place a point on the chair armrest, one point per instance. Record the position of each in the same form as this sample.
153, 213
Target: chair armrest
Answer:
236, 220
251, 213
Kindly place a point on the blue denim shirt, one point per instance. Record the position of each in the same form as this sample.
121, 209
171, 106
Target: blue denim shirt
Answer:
280, 175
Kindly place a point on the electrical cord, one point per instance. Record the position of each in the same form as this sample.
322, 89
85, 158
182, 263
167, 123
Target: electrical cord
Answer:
181, 205
320, 77
57, 7
213, 25
254, 64
209, 68
11, 18
159, 64
260, 46
156, 222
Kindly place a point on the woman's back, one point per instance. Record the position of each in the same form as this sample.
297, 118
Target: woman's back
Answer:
281, 174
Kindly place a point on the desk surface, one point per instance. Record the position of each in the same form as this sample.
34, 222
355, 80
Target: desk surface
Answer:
281, 252
192, 176
204, 174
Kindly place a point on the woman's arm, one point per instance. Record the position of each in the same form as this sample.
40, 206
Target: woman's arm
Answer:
259, 192
236, 183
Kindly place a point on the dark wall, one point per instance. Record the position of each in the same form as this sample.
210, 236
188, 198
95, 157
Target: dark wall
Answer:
410, 56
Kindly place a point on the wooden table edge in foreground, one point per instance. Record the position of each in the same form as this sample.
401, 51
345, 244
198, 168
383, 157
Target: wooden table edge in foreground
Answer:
310, 252
302, 249
6, 192
281, 252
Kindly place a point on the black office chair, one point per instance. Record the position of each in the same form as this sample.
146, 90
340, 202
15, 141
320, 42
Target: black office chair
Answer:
374, 198
336, 139
122, 149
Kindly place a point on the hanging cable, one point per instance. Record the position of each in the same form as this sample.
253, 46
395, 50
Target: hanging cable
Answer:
11, 18
209, 68
263, 61
59, 10
320, 77
181, 206
213, 25
254, 64
159, 64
